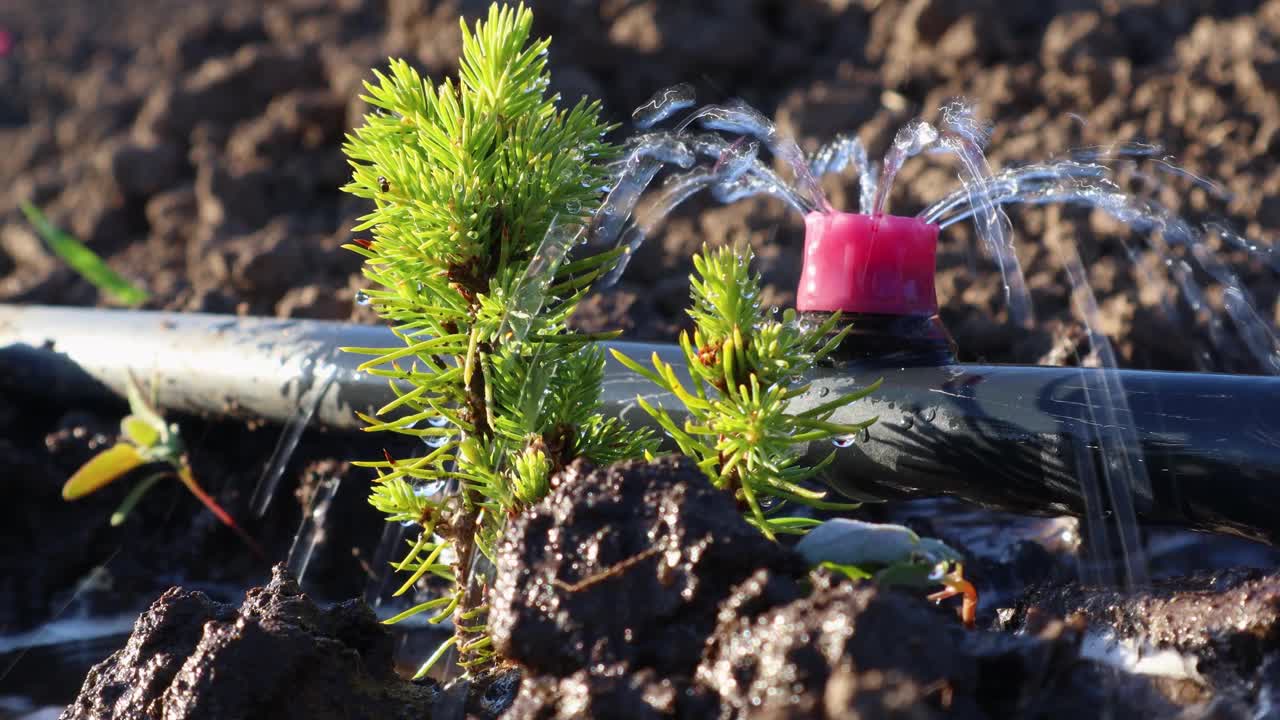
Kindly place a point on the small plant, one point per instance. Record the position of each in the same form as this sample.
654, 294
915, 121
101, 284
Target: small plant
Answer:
480, 190
745, 369
146, 440
891, 555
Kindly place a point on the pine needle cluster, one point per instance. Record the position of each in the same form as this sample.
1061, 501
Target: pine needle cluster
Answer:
480, 188
745, 368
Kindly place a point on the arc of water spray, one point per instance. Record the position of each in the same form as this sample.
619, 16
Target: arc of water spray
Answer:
1084, 179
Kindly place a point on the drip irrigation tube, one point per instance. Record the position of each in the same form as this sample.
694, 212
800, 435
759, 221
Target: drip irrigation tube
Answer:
1010, 437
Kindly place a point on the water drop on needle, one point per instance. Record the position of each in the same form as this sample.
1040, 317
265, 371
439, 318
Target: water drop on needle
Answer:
362, 297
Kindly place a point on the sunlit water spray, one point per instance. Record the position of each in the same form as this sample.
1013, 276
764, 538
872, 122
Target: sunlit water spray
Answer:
309, 401
706, 151
717, 148
311, 532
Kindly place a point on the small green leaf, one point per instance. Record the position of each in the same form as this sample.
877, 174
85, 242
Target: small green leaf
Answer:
852, 571
134, 497
83, 260
907, 575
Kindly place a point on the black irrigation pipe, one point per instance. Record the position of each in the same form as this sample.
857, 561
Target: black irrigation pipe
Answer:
1009, 437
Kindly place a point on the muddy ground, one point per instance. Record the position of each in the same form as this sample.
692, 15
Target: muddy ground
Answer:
195, 145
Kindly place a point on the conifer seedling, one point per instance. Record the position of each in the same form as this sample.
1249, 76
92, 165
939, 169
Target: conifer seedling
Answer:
480, 187
746, 368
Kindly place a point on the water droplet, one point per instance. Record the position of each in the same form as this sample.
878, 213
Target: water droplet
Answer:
864, 435
439, 421
430, 489
929, 414
824, 391
908, 422
842, 441
362, 297
573, 207
773, 310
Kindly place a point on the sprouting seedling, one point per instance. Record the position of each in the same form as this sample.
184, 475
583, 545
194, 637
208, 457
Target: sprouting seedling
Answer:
82, 259
146, 439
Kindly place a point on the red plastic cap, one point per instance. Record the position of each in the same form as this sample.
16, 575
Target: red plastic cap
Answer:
880, 265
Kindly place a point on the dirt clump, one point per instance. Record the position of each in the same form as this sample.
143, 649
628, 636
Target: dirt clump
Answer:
278, 655
721, 623
623, 566
1225, 624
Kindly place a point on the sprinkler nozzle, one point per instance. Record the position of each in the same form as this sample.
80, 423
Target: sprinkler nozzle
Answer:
880, 265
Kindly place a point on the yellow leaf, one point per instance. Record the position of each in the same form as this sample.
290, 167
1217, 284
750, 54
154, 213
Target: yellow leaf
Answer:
104, 468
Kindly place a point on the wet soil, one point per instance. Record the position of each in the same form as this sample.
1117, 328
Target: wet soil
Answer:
198, 149
640, 591
1227, 621
277, 655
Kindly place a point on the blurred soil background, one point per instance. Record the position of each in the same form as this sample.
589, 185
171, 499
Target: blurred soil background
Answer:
196, 145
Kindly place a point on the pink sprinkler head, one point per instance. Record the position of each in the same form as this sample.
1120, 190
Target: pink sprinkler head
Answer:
881, 265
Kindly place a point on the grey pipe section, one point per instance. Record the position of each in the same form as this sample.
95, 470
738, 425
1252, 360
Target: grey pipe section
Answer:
1016, 438
223, 365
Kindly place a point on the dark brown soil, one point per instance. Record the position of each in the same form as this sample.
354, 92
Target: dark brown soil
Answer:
196, 145
277, 655
1227, 620
638, 590
54, 546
